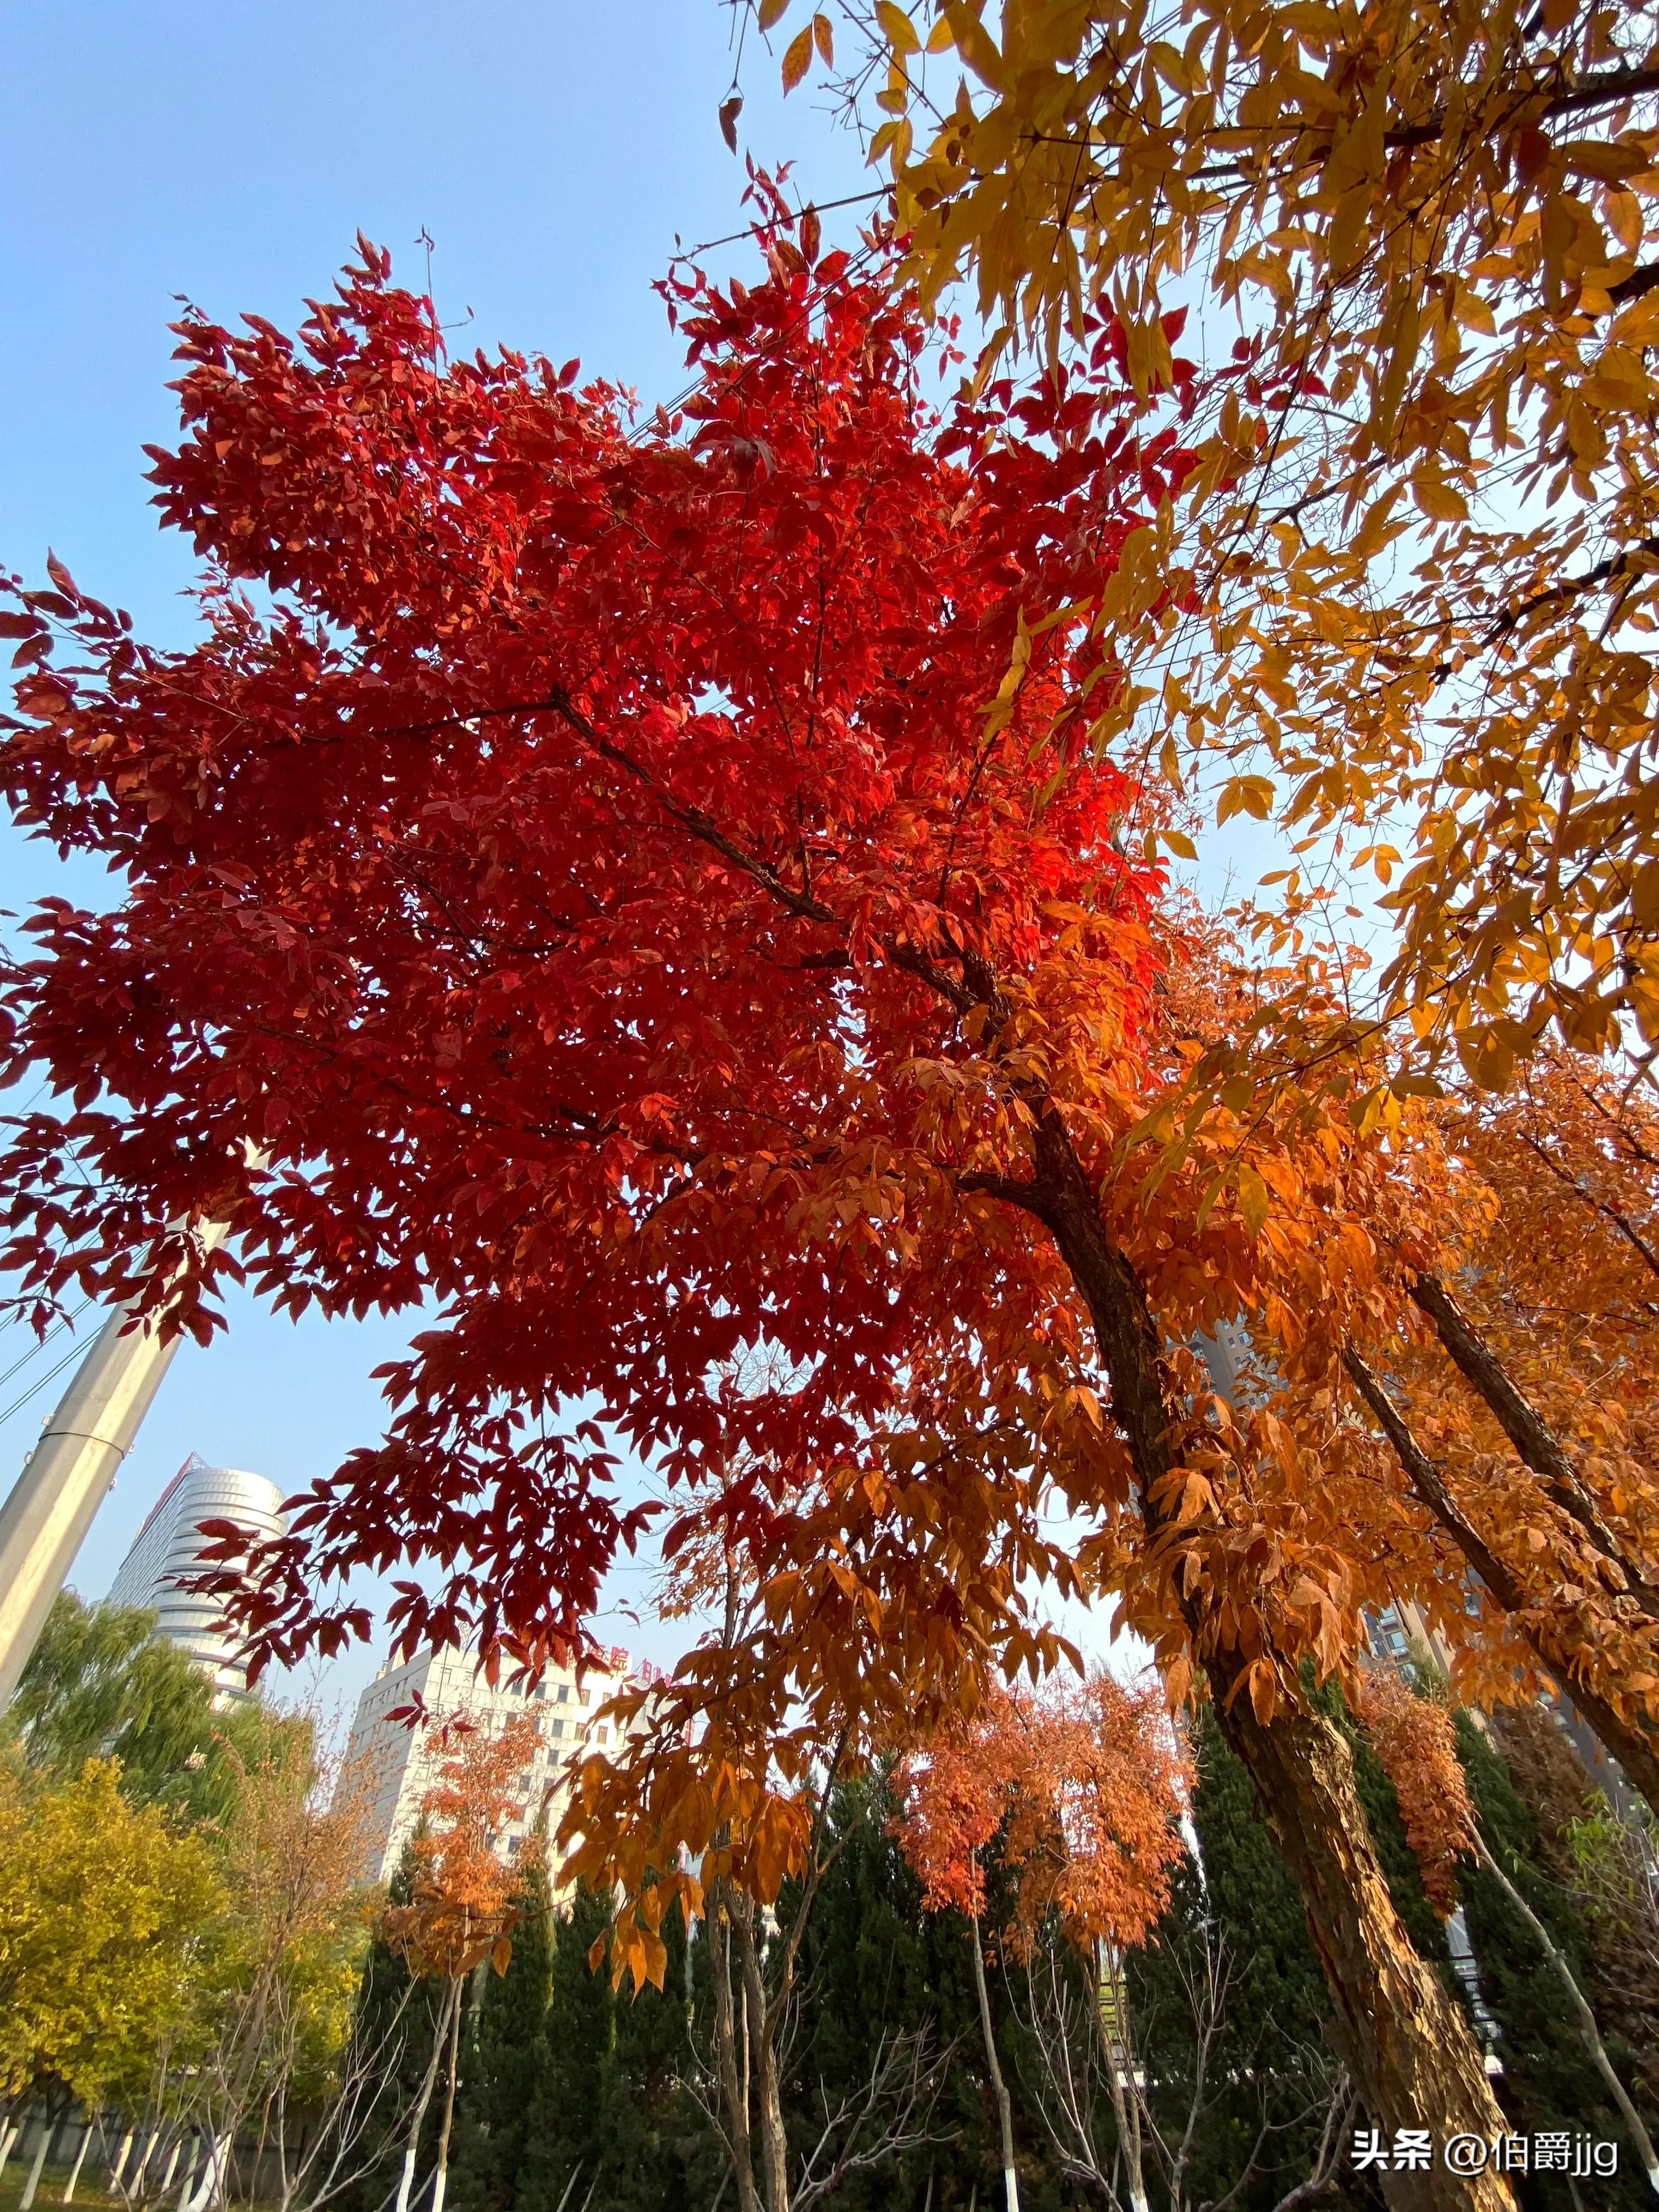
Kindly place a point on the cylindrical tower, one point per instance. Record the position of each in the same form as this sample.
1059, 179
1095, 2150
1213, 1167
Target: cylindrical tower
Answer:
169, 1547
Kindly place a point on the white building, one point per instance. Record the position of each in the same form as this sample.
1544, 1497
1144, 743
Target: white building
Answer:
168, 1548
400, 1764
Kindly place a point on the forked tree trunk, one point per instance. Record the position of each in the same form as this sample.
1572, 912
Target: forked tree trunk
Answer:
1118, 2052
1403, 2038
993, 2065
1626, 1736
734, 2086
441, 2178
1527, 1430
412, 2148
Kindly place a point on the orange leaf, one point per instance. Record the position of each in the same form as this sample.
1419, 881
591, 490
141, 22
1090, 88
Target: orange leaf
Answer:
798, 59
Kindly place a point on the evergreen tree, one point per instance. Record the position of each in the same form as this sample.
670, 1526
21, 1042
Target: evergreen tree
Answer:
1272, 2065
398, 2022
505, 2053
1548, 2082
875, 1963
611, 2117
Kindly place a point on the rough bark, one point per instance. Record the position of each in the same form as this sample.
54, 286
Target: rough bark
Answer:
1629, 1742
1528, 1432
1405, 2045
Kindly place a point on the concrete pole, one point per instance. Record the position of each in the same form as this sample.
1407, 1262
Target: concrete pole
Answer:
68, 1476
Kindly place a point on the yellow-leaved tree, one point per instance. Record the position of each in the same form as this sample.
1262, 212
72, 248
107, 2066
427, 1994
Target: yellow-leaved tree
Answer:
1404, 591
107, 1916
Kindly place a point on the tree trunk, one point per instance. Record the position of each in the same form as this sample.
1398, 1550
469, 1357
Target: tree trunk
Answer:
734, 2088
173, 2164
186, 2188
763, 2059
120, 2165
1583, 2017
80, 2160
1628, 1741
999, 2087
412, 2148
1527, 1431
441, 2178
1403, 2039
1119, 2055
9, 2136
48, 2130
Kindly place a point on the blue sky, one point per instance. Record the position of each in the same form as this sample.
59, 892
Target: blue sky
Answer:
229, 153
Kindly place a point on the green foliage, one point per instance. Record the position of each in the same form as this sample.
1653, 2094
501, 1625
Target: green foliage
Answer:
1548, 2081
506, 2054
1272, 2065
396, 2016
102, 1684
874, 1963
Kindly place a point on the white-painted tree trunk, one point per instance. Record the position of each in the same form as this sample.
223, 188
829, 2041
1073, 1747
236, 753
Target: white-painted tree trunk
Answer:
412, 2148
8, 2136
191, 2164
48, 2132
80, 2160
210, 2187
174, 2156
121, 2156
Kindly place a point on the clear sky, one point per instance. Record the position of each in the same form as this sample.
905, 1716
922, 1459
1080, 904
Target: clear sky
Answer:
229, 154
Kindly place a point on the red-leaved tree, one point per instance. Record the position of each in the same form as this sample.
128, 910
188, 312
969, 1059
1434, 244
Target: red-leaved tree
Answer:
652, 891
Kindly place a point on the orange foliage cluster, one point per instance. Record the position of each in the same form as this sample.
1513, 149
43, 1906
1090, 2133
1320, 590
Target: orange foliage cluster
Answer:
1415, 1742
461, 1908
1085, 1785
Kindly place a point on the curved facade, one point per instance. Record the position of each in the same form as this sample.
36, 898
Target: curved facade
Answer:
169, 1547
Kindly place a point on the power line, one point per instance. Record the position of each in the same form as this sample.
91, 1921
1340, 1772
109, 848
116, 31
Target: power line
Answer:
63, 1321
34, 1389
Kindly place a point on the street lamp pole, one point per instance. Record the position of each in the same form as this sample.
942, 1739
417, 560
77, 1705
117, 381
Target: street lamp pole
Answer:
68, 1476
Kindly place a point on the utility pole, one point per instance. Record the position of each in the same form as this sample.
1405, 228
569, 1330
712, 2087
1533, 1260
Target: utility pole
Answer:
67, 1477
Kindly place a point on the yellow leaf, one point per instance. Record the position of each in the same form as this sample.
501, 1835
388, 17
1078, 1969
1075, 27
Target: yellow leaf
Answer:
897, 28
1254, 1201
1179, 842
1435, 498
826, 39
976, 44
798, 59
772, 11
